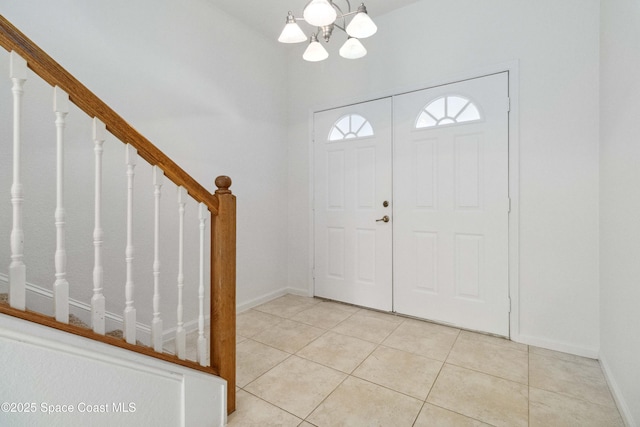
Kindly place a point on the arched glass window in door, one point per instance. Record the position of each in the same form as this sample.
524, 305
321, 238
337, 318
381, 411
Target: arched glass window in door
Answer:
350, 126
447, 110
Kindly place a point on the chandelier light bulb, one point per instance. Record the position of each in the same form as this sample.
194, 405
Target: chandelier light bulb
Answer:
319, 13
361, 26
315, 51
352, 49
291, 32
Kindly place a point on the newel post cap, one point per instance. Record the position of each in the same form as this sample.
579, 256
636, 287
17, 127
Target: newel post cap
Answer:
223, 183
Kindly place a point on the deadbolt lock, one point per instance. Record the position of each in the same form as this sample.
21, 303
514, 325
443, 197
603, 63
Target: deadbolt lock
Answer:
385, 204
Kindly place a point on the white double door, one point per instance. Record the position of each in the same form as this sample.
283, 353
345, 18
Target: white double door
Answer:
411, 204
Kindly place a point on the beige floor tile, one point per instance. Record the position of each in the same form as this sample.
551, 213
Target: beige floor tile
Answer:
582, 380
423, 338
502, 342
306, 424
252, 322
337, 351
434, 416
564, 356
296, 385
287, 305
254, 412
359, 403
324, 315
240, 338
483, 397
254, 359
484, 356
551, 409
400, 371
367, 327
289, 336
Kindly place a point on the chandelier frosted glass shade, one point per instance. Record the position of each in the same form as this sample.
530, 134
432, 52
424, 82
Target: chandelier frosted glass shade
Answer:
352, 49
291, 33
319, 13
315, 51
361, 26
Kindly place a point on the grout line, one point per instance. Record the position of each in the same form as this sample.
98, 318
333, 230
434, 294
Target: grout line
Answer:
272, 404
326, 397
461, 414
418, 414
387, 388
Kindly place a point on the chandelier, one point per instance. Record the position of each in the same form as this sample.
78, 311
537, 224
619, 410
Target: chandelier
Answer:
325, 15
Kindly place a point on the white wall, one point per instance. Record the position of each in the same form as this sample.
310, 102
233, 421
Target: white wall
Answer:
620, 202
206, 90
556, 44
42, 368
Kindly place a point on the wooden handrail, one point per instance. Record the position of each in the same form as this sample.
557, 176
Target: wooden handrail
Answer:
50, 71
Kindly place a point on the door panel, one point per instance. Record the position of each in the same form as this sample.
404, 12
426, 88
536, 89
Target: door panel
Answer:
352, 177
451, 204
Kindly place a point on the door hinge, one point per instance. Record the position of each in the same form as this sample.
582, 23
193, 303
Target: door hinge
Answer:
508, 304
508, 104
508, 204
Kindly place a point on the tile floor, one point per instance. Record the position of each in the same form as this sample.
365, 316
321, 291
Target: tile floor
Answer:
307, 362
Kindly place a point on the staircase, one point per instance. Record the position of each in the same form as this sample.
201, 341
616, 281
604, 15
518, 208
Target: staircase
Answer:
82, 316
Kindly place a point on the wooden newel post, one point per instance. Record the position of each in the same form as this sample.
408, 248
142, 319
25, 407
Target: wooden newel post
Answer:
223, 288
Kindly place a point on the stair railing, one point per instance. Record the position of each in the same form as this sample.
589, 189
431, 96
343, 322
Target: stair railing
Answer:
221, 205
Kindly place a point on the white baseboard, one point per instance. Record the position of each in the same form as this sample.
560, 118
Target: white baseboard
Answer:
260, 300
191, 326
591, 353
299, 292
270, 296
623, 407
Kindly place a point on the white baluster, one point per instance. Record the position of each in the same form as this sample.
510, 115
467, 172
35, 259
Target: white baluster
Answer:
61, 285
156, 323
17, 269
97, 301
180, 332
202, 342
129, 327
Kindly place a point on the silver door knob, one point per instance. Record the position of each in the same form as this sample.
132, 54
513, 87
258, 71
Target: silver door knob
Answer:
383, 219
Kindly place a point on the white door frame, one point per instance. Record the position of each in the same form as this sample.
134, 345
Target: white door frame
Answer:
512, 67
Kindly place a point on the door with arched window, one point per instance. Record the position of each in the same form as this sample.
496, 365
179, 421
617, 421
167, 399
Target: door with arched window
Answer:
415, 219
352, 180
451, 204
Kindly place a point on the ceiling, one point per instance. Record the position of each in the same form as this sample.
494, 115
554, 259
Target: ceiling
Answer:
268, 16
